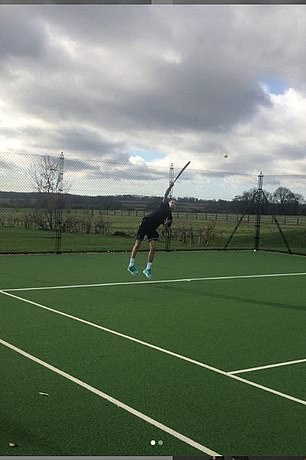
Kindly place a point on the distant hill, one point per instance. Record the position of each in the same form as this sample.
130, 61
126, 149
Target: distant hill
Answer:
136, 202
128, 202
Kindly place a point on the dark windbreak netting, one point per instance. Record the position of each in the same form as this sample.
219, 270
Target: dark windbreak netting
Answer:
61, 203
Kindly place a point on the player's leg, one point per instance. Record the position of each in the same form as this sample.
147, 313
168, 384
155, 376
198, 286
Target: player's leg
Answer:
132, 268
135, 249
152, 249
139, 238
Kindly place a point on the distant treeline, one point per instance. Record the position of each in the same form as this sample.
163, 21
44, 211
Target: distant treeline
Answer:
240, 204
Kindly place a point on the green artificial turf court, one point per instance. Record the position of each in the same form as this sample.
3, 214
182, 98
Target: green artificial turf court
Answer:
208, 358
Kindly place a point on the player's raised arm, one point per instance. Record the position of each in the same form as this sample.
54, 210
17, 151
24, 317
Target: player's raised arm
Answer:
168, 191
173, 182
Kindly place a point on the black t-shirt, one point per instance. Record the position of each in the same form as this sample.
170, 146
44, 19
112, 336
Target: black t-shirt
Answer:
159, 216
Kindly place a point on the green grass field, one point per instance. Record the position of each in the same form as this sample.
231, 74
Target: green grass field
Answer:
189, 231
208, 358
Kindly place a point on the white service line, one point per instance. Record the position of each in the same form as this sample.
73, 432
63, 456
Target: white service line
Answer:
180, 280
114, 401
268, 366
163, 350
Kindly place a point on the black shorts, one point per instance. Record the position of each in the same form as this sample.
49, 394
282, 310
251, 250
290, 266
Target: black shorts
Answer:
145, 229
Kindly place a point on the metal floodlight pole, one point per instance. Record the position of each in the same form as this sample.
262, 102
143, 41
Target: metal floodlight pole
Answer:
259, 199
257, 195
171, 179
260, 181
168, 230
59, 204
61, 172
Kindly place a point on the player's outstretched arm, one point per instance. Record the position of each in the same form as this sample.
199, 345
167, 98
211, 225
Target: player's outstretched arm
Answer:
168, 191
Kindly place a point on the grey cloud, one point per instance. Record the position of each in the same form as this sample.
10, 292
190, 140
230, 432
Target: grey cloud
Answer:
19, 37
294, 152
123, 172
106, 25
204, 93
85, 140
189, 103
206, 87
219, 174
75, 165
76, 139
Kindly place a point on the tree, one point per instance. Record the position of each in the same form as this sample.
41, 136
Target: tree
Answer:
283, 195
247, 201
47, 176
287, 200
300, 199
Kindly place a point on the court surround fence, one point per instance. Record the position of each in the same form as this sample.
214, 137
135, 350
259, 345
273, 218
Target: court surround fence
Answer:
94, 206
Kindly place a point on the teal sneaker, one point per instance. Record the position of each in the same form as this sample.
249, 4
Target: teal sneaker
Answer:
147, 272
133, 270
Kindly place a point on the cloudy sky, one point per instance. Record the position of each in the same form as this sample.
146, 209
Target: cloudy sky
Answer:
139, 87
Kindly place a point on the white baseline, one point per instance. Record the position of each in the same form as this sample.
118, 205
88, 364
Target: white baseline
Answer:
180, 280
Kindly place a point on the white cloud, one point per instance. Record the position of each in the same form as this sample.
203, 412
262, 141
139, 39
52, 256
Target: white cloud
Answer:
137, 160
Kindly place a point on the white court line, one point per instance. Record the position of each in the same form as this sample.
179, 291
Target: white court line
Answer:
163, 350
114, 401
268, 366
180, 280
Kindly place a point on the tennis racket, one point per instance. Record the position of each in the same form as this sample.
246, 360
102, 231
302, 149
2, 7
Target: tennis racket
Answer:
181, 172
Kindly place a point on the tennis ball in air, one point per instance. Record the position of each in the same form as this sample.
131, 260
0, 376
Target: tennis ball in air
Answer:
254, 250
225, 155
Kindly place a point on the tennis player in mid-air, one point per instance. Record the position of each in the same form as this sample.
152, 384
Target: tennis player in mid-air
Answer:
148, 228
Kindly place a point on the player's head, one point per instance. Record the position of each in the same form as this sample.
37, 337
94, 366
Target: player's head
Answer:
172, 202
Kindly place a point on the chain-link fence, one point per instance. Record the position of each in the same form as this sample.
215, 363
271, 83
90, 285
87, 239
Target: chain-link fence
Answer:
60, 203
